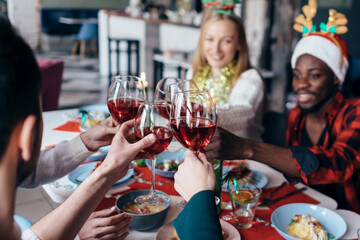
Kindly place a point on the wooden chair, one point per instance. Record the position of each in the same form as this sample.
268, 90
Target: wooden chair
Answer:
121, 49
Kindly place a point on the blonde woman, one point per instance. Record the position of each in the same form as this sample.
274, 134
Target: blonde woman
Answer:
221, 65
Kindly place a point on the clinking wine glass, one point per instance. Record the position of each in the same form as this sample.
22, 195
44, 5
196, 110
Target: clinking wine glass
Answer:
165, 91
150, 120
124, 96
193, 120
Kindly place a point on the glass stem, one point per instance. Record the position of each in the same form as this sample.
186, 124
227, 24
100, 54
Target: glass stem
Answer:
152, 189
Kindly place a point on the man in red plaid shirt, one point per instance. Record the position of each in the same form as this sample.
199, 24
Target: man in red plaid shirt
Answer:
323, 131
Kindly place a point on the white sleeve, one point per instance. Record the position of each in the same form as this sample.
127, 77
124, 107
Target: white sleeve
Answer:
243, 113
57, 162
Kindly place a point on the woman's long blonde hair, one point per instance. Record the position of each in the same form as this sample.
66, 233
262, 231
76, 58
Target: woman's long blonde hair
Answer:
241, 60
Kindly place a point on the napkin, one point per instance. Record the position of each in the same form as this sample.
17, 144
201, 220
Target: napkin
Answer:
69, 126
145, 174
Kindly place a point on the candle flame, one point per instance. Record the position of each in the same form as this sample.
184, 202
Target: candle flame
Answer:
143, 79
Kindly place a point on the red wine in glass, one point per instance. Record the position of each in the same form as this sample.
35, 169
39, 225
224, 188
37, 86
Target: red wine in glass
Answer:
163, 138
124, 96
149, 120
164, 109
193, 133
123, 109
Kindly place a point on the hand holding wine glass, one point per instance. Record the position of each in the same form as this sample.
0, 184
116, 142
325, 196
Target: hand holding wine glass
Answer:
150, 120
195, 169
124, 96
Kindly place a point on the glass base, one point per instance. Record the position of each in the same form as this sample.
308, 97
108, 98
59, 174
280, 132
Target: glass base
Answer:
152, 200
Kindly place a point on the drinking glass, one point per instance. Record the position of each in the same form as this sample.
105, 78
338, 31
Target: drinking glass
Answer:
244, 202
165, 92
151, 120
160, 89
124, 96
193, 119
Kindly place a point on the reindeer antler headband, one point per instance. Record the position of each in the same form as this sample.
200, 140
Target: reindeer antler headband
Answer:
304, 24
324, 44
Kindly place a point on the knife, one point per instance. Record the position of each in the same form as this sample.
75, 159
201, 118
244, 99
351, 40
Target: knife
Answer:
280, 198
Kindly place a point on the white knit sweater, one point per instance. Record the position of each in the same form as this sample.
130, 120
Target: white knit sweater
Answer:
242, 115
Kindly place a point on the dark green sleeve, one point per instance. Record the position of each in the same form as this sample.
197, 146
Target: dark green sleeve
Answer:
199, 219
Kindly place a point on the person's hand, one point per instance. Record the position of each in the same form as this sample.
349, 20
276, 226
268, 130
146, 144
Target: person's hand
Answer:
225, 145
123, 150
106, 224
100, 135
195, 174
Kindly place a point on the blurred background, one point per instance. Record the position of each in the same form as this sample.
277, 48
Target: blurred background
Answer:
95, 39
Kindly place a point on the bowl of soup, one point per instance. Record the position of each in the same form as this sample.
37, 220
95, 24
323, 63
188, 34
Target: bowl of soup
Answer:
144, 217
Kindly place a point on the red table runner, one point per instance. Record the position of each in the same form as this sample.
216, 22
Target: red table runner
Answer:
69, 126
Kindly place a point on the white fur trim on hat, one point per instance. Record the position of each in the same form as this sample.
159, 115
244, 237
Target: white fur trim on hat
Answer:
323, 49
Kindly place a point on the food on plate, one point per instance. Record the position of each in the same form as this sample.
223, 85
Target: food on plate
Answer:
169, 164
133, 208
89, 119
176, 237
243, 173
306, 227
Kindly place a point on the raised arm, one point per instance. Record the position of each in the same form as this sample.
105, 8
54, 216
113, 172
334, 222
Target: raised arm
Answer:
71, 215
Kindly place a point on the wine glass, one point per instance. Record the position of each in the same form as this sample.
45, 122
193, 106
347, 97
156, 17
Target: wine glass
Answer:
124, 96
165, 92
151, 120
160, 89
193, 119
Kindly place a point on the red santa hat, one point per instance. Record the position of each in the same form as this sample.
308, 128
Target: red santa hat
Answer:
330, 49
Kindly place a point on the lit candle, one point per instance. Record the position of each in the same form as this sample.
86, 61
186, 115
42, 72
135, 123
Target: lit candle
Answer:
212, 96
144, 83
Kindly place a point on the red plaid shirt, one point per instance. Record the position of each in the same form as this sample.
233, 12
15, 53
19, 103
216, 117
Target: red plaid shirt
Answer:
333, 165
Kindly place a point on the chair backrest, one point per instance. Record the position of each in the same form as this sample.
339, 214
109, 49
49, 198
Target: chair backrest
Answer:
88, 31
51, 78
275, 128
124, 56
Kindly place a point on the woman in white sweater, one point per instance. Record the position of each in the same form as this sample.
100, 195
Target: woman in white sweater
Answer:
221, 65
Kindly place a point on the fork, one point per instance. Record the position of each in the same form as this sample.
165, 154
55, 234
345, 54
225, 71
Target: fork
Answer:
268, 197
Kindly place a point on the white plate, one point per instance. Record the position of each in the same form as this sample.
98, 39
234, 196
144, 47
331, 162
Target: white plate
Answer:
260, 179
166, 232
352, 220
82, 172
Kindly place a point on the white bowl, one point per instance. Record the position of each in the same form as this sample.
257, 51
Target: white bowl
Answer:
331, 221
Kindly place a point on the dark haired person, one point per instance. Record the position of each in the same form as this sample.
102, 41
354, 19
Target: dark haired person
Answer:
20, 139
323, 131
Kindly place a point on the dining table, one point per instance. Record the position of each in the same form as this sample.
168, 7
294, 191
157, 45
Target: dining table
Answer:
62, 125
